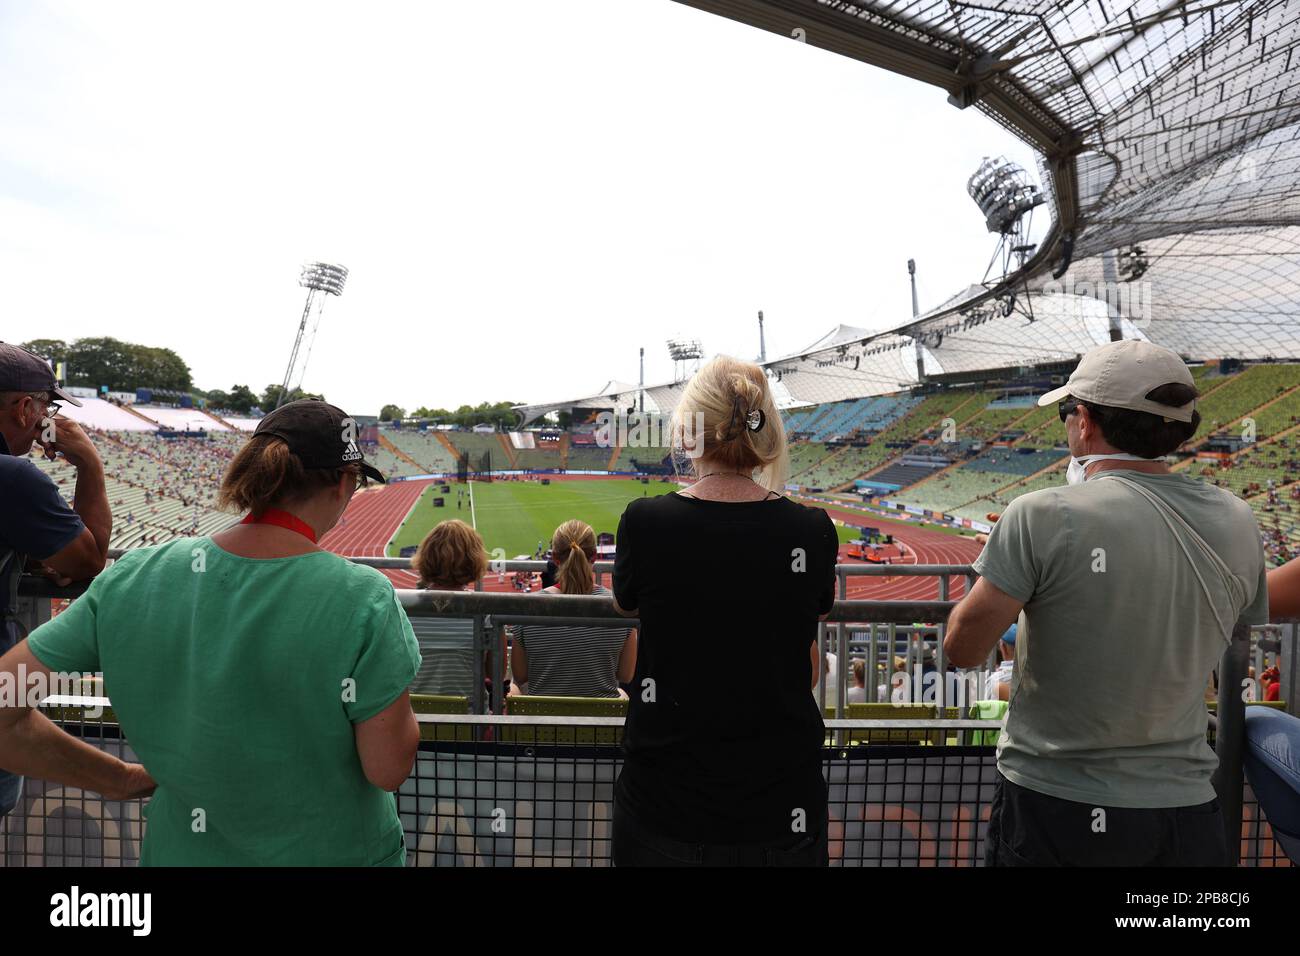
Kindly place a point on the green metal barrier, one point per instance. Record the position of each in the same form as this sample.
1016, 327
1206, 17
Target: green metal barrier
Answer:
533, 706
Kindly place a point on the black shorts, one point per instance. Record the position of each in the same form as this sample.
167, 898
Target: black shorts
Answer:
1028, 828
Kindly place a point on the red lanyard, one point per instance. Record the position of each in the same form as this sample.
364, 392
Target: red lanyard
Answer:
282, 519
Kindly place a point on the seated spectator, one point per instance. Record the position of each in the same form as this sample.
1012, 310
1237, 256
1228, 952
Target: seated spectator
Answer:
857, 694
827, 672
450, 558
998, 684
573, 660
884, 692
257, 676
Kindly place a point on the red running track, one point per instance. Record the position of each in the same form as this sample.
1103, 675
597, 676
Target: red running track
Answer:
373, 517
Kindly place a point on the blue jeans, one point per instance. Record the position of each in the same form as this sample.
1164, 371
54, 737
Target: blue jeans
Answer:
11, 791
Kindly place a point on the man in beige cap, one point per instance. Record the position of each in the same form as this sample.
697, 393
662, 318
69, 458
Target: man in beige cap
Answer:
1127, 584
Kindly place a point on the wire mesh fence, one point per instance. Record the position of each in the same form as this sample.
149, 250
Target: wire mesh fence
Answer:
536, 792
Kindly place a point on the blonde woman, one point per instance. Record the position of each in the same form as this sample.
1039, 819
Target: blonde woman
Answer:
573, 660
450, 558
701, 786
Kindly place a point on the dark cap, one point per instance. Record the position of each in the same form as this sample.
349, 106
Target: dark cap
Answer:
24, 371
320, 434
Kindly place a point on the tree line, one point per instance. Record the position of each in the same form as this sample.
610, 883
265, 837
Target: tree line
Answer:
500, 414
127, 366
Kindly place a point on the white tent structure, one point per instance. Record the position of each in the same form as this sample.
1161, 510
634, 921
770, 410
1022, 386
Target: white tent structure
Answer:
1168, 135
1169, 140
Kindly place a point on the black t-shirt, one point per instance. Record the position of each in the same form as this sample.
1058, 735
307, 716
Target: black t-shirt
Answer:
723, 735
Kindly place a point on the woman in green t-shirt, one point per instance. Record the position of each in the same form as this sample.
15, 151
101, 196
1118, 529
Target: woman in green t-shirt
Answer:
261, 681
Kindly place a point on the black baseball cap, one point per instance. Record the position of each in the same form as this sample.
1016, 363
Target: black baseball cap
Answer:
24, 371
320, 434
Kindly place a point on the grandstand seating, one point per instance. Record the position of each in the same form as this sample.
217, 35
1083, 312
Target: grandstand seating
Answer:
424, 448
1222, 405
157, 488
1023, 462
543, 456
181, 419
629, 459
904, 475
389, 464
951, 490
843, 466
588, 458
479, 444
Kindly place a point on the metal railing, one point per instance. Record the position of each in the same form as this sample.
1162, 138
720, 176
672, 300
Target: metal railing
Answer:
538, 791
493, 611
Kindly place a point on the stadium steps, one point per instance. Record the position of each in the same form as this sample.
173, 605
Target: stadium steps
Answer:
446, 443
387, 444
508, 449
564, 450
1292, 432
614, 452
1291, 393
821, 461
140, 415
218, 419
1018, 483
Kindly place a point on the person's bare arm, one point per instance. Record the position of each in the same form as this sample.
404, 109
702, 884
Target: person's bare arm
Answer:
1284, 591
86, 555
627, 659
518, 662
977, 623
387, 743
31, 744
815, 664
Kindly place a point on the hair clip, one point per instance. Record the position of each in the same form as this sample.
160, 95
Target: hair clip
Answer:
755, 420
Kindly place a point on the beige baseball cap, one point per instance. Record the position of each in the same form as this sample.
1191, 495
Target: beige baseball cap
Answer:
1120, 374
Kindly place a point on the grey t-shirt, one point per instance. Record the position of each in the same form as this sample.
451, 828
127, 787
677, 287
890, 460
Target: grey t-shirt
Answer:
1117, 639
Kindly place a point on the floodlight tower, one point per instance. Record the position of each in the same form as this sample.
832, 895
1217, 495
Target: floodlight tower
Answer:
320, 279
683, 354
1007, 199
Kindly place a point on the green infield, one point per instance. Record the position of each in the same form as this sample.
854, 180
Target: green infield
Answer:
516, 515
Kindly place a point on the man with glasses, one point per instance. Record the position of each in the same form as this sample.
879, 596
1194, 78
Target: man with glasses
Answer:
1127, 584
36, 524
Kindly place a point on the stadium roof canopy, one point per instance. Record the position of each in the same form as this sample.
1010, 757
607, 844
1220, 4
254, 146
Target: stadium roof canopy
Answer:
1169, 141
614, 394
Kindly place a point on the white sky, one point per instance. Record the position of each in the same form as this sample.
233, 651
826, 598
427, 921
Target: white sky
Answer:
524, 192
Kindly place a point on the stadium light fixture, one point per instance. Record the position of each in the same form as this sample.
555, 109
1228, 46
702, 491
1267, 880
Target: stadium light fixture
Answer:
320, 279
1007, 198
683, 353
